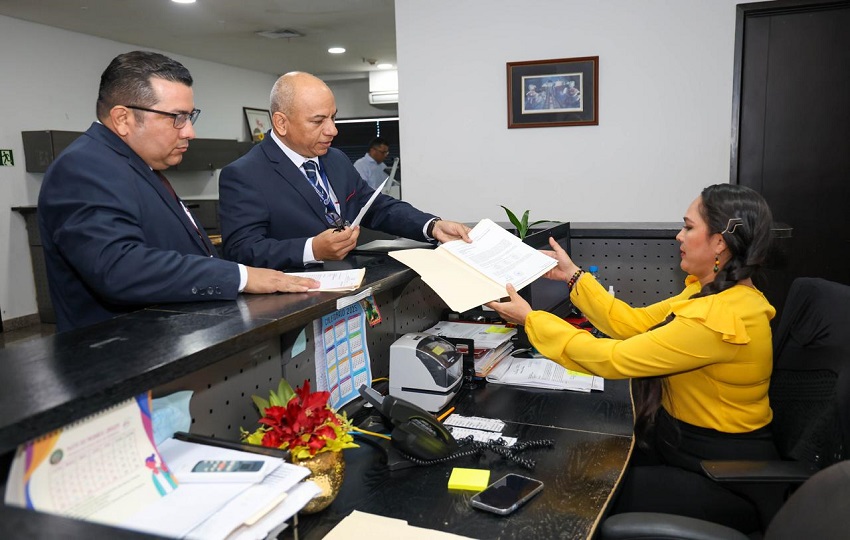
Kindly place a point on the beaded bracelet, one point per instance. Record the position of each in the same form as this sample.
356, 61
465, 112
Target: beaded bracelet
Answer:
575, 277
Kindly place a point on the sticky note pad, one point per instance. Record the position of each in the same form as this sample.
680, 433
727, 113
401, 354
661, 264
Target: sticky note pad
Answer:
469, 479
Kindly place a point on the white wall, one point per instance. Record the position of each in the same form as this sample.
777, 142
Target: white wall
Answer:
665, 95
352, 100
49, 81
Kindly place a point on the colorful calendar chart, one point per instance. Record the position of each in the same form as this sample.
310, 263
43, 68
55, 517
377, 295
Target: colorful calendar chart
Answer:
103, 468
342, 356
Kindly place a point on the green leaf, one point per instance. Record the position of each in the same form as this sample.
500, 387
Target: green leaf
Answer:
525, 221
261, 404
512, 217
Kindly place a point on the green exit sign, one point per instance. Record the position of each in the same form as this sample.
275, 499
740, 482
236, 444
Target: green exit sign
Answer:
6, 159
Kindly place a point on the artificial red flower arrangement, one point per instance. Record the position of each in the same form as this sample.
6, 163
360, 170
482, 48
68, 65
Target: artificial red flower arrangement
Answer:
301, 421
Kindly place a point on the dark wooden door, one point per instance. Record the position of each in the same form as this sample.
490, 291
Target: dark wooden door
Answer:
791, 130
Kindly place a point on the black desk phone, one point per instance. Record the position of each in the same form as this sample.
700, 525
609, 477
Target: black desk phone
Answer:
415, 431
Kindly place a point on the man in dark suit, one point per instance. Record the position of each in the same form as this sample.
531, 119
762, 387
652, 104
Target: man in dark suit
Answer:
289, 200
116, 237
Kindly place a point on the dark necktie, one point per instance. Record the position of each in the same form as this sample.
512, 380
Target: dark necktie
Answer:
170, 189
313, 177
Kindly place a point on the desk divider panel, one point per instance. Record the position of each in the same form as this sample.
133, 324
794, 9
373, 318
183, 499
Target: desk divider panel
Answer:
221, 402
642, 271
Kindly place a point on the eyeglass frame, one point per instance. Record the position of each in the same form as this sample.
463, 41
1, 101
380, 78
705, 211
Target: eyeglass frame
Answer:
188, 117
333, 218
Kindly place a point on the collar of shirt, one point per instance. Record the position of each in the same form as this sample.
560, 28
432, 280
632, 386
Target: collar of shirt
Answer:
296, 158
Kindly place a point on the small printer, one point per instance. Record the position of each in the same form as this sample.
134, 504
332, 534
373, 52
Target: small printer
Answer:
425, 370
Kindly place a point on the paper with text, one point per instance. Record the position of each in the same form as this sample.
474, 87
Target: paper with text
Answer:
368, 204
468, 275
335, 280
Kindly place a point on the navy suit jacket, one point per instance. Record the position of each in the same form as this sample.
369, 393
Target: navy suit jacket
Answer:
116, 240
268, 209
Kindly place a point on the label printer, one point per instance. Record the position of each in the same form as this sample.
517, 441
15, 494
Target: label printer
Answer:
425, 370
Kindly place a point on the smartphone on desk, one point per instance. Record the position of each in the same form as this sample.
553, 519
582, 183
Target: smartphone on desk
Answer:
507, 494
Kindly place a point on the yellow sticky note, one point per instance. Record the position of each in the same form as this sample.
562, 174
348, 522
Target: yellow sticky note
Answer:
469, 479
498, 330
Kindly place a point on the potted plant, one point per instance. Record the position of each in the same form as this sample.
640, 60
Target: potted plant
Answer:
302, 422
522, 226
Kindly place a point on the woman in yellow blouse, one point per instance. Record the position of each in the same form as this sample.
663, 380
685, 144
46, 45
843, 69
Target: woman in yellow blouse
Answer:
701, 360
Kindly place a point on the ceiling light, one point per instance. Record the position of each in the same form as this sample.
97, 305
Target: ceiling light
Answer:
183, 1
384, 66
336, 50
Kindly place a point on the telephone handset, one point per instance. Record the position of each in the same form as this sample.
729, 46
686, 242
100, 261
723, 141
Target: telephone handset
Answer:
415, 431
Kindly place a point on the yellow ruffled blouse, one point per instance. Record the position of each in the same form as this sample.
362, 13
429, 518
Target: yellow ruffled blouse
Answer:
717, 353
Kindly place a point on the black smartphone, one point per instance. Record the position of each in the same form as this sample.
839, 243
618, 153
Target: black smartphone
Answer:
227, 466
507, 494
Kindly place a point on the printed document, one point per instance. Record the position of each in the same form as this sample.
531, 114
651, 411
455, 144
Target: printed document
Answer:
335, 280
468, 275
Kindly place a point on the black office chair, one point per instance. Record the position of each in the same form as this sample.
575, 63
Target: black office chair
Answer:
818, 509
810, 398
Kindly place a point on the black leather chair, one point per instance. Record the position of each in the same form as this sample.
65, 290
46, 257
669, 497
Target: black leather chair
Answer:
810, 398
817, 510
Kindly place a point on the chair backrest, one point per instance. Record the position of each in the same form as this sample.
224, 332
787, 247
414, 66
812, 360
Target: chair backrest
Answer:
810, 385
818, 509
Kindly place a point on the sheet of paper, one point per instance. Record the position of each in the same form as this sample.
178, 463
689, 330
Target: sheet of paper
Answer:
385, 246
335, 280
368, 204
364, 525
468, 275
540, 373
103, 468
182, 456
501, 256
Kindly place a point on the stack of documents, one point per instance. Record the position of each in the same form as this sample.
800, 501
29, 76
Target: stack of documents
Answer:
492, 341
540, 372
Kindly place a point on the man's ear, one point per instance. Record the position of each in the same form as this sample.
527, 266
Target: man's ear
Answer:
280, 123
120, 117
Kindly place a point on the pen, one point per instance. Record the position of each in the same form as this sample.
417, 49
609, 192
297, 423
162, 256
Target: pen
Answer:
445, 414
221, 443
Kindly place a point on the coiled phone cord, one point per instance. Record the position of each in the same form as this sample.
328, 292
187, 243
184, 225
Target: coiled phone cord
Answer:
471, 447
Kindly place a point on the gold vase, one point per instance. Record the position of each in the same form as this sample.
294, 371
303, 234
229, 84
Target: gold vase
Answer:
327, 470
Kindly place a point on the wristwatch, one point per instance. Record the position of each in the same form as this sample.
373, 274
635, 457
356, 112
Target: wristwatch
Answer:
429, 232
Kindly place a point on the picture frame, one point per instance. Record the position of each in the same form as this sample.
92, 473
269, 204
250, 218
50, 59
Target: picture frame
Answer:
549, 93
259, 122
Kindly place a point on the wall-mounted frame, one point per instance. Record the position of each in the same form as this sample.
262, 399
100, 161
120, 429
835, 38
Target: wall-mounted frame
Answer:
259, 122
560, 92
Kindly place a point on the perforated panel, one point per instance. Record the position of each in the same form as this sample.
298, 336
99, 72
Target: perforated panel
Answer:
411, 308
221, 402
641, 271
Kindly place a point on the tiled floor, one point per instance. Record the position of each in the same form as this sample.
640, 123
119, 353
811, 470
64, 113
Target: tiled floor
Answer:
23, 334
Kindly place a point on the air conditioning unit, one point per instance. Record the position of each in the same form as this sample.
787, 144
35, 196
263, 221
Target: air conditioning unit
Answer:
383, 87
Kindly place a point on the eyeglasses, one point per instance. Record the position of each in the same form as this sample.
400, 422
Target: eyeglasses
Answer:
180, 119
334, 219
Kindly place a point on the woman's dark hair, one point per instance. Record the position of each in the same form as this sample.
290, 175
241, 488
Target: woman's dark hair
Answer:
742, 216
127, 80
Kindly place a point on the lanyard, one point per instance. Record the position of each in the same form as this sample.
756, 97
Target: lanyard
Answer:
331, 204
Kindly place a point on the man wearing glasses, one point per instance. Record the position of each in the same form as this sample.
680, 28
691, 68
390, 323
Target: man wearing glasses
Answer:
116, 237
288, 201
371, 166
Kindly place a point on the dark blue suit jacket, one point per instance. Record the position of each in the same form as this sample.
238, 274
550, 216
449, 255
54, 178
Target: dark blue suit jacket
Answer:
268, 209
116, 240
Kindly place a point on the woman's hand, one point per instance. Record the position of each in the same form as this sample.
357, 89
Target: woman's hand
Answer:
515, 311
566, 267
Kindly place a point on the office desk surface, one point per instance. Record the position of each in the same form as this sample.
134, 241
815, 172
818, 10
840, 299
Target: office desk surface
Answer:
580, 473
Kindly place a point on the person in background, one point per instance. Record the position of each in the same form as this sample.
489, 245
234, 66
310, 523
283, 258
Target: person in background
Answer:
700, 362
289, 201
371, 166
116, 237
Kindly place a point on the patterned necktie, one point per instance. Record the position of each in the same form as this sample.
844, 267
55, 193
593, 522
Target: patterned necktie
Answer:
313, 177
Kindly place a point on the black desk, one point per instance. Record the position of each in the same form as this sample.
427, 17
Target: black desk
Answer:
592, 434
53, 381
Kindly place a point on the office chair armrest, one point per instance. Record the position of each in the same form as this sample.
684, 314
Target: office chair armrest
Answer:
642, 525
762, 472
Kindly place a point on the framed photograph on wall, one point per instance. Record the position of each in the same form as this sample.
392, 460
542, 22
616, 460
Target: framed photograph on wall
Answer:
259, 122
546, 93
